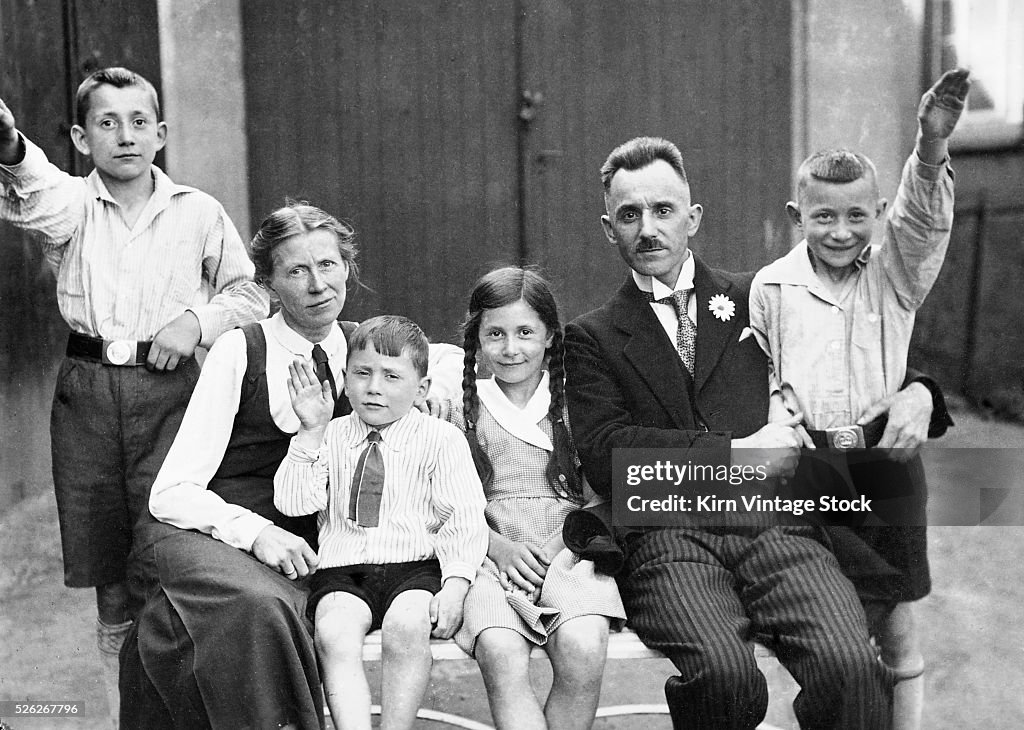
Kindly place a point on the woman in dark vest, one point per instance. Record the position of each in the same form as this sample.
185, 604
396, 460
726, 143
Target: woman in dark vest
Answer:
223, 641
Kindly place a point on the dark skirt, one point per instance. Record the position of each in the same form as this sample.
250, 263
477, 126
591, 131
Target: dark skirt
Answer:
223, 642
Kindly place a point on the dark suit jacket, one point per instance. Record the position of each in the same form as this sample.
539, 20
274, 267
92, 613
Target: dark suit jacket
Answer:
627, 387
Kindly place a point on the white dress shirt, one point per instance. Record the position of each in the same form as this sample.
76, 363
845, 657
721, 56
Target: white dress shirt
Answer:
666, 313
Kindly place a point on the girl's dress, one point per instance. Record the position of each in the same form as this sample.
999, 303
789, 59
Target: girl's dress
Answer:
522, 506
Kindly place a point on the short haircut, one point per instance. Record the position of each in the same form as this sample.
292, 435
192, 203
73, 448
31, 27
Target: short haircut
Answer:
835, 166
117, 77
393, 336
294, 219
638, 153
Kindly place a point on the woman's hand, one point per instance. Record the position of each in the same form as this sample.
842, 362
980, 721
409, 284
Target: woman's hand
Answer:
523, 564
312, 400
284, 552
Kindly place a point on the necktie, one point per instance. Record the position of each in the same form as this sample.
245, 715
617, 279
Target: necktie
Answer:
367, 484
686, 331
323, 369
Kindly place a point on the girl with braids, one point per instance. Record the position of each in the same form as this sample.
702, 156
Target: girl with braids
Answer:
530, 590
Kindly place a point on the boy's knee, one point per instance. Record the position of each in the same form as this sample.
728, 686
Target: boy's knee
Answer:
342, 622
406, 624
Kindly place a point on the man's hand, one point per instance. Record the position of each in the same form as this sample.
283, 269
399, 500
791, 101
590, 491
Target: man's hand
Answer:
776, 446
523, 564
175, 343
311, 400
11, 152
782, 406
938, 113
287, 553
446, 608
910, 412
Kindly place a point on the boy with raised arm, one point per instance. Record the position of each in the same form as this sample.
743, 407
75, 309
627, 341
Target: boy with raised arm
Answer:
835, 316
147, 270
400, 511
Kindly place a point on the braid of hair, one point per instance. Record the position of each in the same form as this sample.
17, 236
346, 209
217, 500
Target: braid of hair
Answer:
471, 408
561, 471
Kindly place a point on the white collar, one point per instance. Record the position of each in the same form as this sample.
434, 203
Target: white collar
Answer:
660, 291
334, 344
520, 422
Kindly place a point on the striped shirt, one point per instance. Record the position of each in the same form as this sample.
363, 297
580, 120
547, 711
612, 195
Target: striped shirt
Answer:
433, 503
116, 282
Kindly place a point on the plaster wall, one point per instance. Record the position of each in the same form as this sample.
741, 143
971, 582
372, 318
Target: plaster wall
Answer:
204, 100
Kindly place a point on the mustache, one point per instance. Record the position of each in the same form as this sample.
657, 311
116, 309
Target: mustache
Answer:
648, 244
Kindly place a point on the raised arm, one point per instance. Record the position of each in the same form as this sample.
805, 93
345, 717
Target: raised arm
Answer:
938, 114
34, 194
12, 149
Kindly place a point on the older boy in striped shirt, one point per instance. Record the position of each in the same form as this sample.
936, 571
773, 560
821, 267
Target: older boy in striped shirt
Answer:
147, 270
400, 513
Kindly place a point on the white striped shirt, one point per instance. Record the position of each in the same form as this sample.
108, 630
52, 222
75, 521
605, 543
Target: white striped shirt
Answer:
116, 282
433, 503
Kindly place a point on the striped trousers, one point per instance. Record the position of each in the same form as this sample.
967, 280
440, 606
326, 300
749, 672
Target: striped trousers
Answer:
701, 596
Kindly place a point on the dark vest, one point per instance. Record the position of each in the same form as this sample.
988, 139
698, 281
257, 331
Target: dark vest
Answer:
257, 446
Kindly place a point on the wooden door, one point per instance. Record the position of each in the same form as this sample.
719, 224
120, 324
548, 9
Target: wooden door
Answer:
460, 134
399, 117
717, 83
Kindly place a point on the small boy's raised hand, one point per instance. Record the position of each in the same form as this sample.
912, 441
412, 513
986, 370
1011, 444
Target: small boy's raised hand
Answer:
312, 400
446, 608
940, 110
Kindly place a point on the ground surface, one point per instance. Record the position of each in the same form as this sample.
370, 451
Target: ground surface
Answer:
972, 633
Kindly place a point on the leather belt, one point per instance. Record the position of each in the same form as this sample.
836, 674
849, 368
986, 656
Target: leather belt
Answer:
844, 438
128, 353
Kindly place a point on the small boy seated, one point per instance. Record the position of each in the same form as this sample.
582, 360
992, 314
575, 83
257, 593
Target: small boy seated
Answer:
835, 316
401, 522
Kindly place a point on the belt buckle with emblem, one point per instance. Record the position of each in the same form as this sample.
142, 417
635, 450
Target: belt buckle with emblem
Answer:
119, 352
844, 438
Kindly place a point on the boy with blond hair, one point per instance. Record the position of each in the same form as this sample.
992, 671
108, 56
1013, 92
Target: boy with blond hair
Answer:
835, 316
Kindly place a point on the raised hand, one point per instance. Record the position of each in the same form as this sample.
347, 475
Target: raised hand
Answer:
10, 147
942, 105
312, 400
938, 113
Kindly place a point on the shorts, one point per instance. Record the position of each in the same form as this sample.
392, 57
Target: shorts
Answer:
110, 429
376, 585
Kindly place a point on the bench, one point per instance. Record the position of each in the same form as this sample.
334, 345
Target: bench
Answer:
621, 645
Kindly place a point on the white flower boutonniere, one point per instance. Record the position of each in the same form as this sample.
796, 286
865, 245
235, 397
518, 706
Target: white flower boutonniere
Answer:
722, 307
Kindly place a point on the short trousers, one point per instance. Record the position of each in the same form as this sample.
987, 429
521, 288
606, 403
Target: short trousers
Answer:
110, 429
376, 585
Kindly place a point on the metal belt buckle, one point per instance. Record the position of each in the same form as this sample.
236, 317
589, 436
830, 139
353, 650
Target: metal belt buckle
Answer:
844, 438
119, 352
